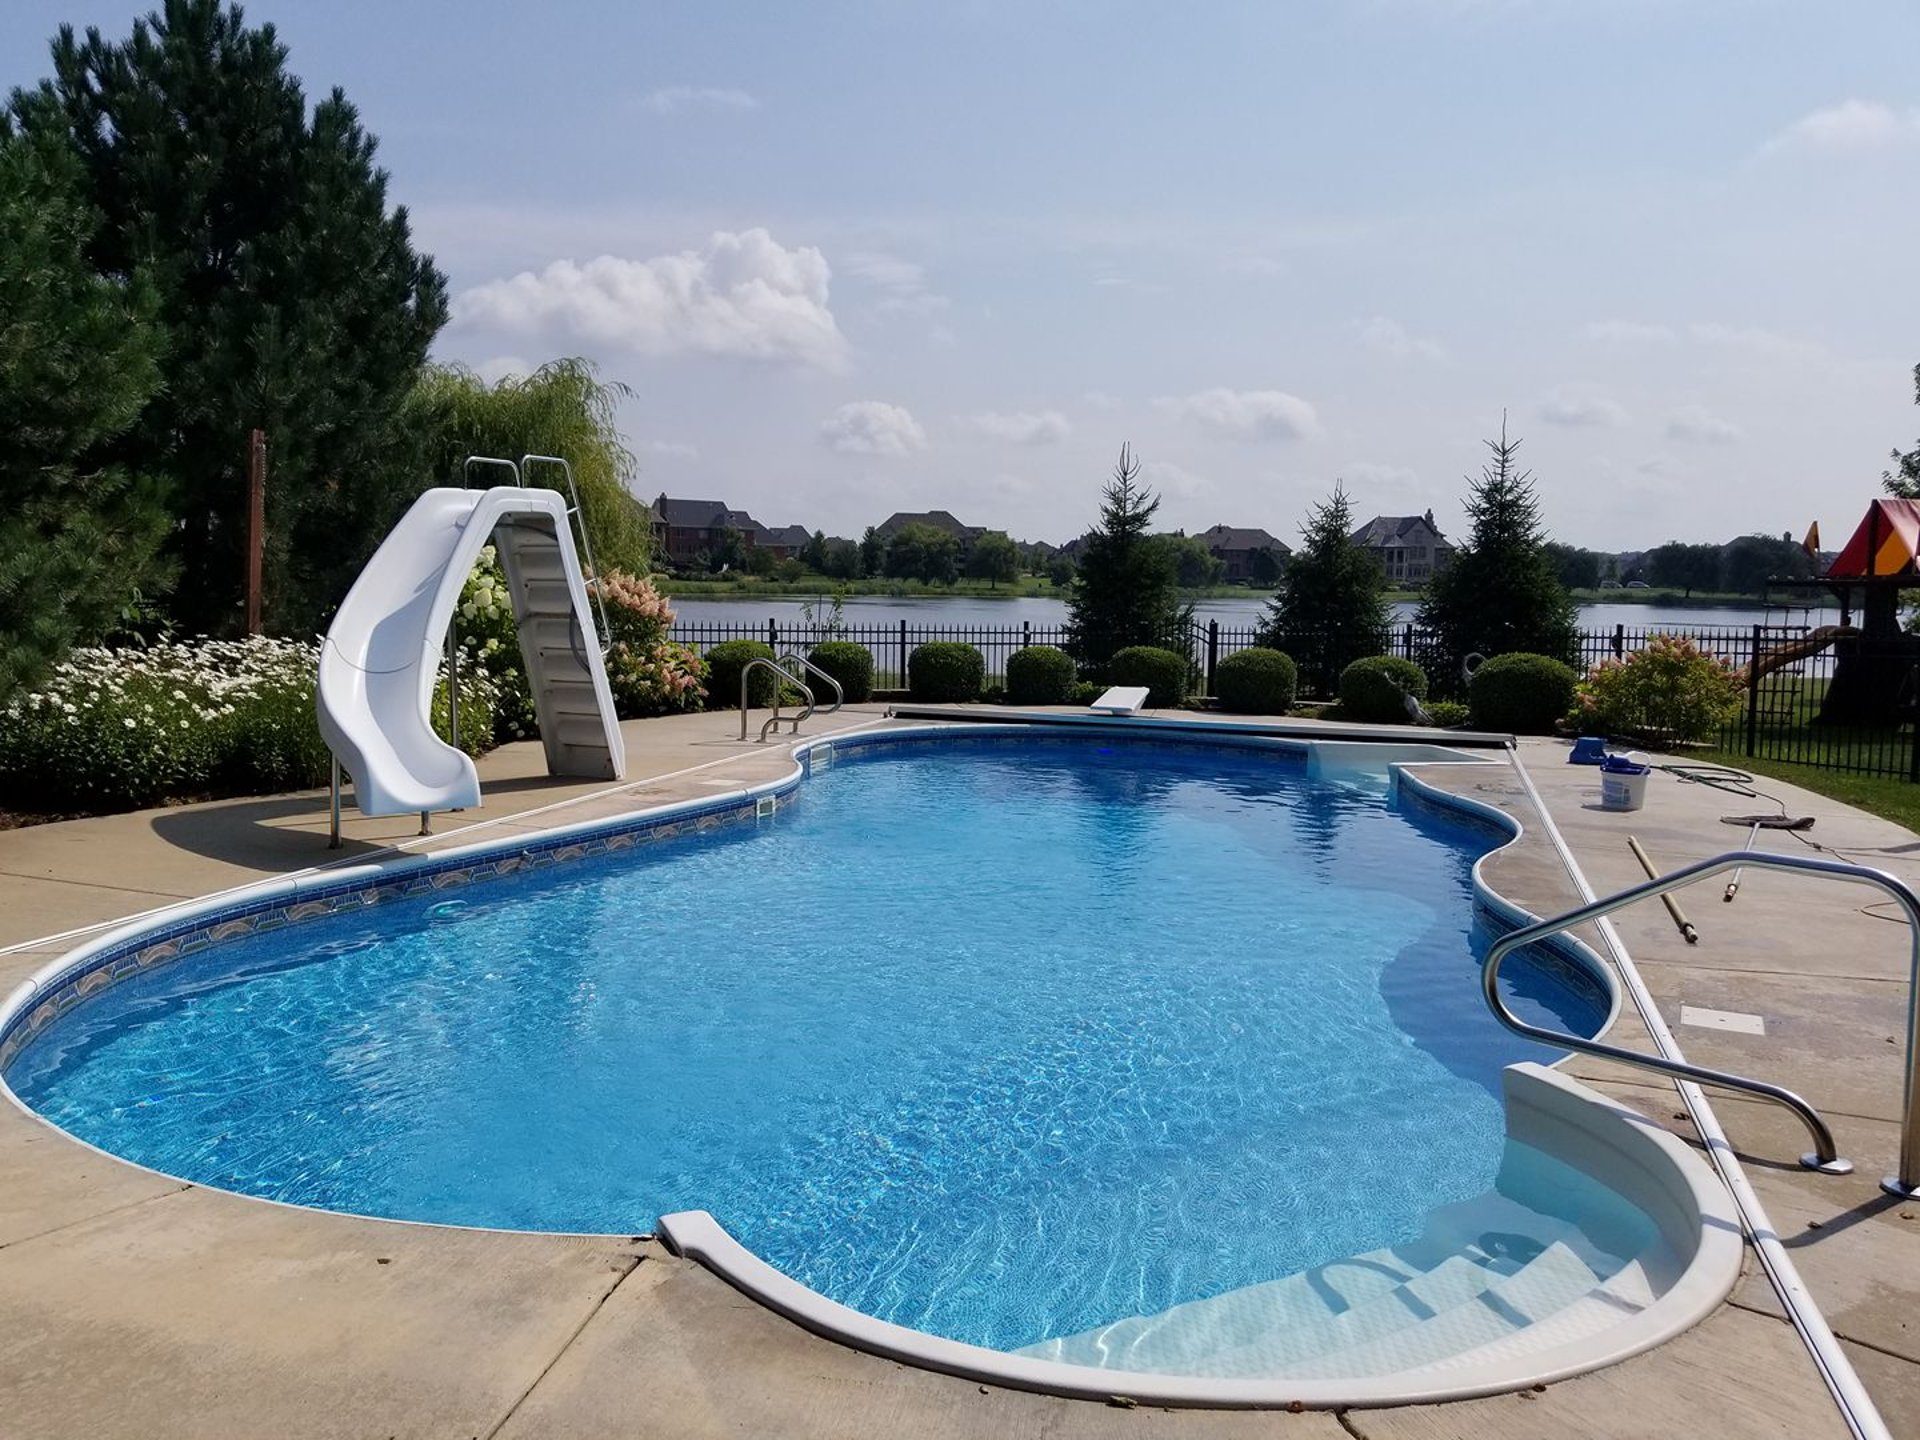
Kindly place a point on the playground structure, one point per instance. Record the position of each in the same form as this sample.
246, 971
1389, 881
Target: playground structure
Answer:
1875, 666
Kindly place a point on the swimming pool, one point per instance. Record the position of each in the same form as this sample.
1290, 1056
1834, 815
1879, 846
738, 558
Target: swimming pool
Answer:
1001, 1039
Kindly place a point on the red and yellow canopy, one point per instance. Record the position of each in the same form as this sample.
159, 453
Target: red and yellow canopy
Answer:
1888, 537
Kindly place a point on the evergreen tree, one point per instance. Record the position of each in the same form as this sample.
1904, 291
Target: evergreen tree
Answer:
873, 553
289, 295
79, 537
1500, 592
1127, 589
1327, 609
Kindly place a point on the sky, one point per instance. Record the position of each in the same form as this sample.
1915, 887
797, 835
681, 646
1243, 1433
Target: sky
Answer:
859, 256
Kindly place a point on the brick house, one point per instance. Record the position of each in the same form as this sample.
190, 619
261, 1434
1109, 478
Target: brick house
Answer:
1235, 548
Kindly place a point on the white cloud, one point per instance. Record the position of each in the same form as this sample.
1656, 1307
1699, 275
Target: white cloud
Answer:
872, 427
1370, 475
902, 284
1852, 125
502, 367
1101, 400
1165, 478
1245, 414
1700, 426
1022, 427
1631, 331
1390, 337
673, 449
675, 98
743, 295
1566, 406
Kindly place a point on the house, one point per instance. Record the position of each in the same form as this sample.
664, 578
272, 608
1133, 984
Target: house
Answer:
685, 530
1236, 548
940, 520
785, 541
1410, 548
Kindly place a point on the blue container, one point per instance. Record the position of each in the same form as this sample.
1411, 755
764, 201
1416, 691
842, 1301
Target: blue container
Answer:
1588, 750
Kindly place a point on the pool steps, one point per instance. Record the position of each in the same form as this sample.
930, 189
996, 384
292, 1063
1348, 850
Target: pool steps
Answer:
1442, 1298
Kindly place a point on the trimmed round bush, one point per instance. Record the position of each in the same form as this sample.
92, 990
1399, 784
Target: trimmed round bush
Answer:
1041, 675
1163, 672
1446, 714
850, 664
945, 672
725, 661
1256, 681
1527, 694
1374, 689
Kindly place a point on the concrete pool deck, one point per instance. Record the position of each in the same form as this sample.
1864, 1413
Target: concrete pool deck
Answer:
135, 1305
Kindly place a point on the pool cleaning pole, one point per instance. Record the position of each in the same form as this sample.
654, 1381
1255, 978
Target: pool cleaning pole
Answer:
1733, 885
1687, 932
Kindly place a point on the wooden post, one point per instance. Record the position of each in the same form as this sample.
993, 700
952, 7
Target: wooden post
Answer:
256, 524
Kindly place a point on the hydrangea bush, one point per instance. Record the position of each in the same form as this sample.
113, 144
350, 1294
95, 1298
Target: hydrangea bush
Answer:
122, 729
1671, 691
648, 673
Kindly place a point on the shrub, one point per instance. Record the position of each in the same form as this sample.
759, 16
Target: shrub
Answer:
725, 661
945, 671
1374, 689
1041, 675
1163, 672
1527, 694
1447, 714
850, 664
1671, 691
1256, 681
121, 729
1086, 692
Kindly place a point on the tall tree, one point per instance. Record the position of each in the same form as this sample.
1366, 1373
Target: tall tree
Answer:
1677, 565
1904, 479
1194, 564
1327, 610
1127, 588
290, 295
995, 558
1500, 591
923, 552
873, 553
79, 536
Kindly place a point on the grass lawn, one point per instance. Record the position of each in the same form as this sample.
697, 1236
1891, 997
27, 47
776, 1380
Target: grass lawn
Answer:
1891, 799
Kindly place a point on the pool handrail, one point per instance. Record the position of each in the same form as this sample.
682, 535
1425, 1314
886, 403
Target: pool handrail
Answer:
793, 657
1906, 1183
773, 720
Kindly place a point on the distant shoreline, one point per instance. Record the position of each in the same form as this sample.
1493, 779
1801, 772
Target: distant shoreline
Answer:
1031, 587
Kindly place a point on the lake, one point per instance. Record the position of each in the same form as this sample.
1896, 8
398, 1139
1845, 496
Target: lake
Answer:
1235, 612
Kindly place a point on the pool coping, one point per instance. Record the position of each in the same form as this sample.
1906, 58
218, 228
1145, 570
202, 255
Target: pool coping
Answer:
183, 930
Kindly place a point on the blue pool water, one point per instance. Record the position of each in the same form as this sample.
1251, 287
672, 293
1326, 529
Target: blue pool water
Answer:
1000, 1039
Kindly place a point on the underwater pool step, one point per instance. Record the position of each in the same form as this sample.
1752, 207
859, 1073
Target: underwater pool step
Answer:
1620, 1298
1546, 1285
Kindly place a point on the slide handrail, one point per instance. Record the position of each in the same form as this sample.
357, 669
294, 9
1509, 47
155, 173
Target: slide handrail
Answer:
1825, 1157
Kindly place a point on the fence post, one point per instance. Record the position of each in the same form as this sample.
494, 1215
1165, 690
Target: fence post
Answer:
1753, 692
1619, 642
773, 632
903, 652
1213, 652
1406, 641
1026, 634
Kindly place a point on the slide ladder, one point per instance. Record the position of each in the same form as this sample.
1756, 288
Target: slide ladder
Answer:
381, 657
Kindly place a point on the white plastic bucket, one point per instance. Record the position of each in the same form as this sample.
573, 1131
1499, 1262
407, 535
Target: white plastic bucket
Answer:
1624, 789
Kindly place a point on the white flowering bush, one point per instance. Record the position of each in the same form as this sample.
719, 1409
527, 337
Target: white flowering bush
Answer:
121, 729
490, 648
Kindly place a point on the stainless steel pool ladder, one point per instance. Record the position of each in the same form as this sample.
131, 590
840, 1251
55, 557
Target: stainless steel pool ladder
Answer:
799, 663
1905, 1184
773, 721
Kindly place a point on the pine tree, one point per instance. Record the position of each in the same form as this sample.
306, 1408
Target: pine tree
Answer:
1328, 610
78, 537
1904, 479
1127, 589
1500, 591
289, 295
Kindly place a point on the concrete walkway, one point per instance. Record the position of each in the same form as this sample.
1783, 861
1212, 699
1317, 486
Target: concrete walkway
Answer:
131, 1305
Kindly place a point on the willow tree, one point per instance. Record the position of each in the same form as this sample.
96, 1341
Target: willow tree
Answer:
79, 535
562, 409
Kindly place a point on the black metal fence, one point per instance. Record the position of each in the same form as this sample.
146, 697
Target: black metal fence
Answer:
1838, 703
